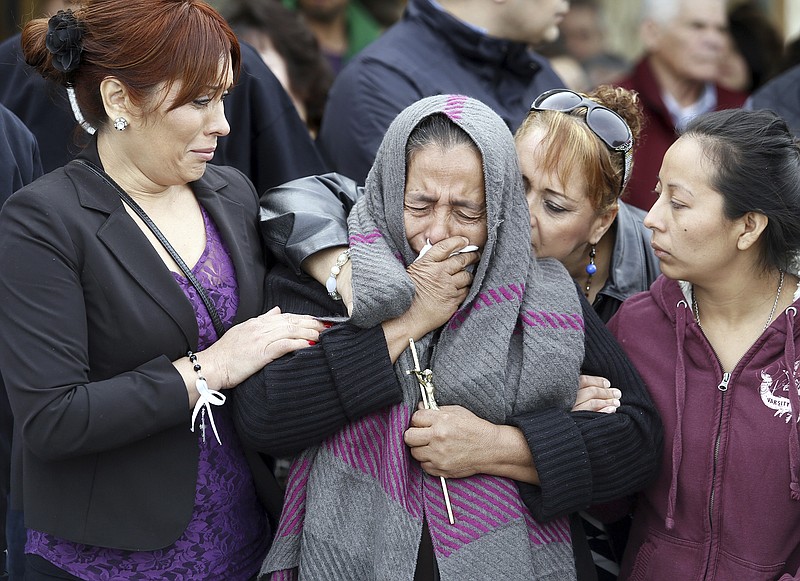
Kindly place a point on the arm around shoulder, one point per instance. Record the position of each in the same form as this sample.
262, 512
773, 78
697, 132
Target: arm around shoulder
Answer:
302, 398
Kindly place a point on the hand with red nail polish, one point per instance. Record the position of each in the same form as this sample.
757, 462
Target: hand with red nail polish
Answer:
252, 344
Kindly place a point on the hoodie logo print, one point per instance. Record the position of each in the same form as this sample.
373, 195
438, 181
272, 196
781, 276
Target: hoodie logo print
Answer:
774, 389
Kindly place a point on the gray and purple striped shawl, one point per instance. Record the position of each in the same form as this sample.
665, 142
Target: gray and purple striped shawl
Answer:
355, 504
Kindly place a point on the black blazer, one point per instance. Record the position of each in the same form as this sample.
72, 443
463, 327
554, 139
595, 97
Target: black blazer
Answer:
90, 320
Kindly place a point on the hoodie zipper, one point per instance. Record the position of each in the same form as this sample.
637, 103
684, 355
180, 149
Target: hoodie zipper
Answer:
723, 388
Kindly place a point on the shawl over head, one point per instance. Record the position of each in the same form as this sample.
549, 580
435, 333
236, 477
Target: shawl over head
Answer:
355, 504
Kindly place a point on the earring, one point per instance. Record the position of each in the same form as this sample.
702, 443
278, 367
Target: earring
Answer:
591, 268
120, 123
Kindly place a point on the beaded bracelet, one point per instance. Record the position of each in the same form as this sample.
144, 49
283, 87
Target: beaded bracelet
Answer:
208, 397
330, 284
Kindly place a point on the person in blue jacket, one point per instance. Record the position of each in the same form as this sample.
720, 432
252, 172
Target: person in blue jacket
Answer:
471, 47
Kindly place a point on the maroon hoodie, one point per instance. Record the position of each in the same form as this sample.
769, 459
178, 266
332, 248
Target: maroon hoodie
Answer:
726, 503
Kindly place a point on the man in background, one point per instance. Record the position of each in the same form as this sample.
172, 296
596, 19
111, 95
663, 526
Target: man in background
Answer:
782, 95
684, 43
584, 37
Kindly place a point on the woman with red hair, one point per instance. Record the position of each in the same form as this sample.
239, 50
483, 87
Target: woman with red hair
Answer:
132, 300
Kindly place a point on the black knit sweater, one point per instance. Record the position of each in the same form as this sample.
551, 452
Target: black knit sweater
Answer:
587, 458
582, 458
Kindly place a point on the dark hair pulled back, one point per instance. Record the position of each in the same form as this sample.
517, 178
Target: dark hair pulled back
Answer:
756, 167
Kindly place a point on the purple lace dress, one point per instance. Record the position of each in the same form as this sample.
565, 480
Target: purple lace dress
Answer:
228, 534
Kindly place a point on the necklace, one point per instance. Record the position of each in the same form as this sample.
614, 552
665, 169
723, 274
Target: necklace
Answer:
771, 313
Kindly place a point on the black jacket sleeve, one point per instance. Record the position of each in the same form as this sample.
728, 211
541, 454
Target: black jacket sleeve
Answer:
585, 458
306, 215
306, 396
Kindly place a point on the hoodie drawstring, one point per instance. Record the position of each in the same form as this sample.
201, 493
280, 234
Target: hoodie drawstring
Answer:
794, 400
680, 400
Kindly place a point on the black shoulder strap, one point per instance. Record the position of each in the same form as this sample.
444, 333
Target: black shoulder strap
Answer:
212, 310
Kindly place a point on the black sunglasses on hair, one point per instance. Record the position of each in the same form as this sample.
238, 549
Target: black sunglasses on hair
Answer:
609, 127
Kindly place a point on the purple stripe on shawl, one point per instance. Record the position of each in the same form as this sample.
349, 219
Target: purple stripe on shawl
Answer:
532, 319
552, 320
496, 487
294, 508
449, 538
356, 445
500, 503
436, 512
391, 474
455, 106
360, 445
549, 318
561, 529
378, 426
507, 294
480, 504
468, 528
564, 320
374, 446
406, 475
542, 535
577, 321
561, 526
539, 317
477, 518
559, 322
366, 449
556, 531
365, 238
456, 320
337, 447
285, 575
489, 298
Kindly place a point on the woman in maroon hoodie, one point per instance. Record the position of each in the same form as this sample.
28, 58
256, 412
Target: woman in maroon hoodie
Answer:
714, 339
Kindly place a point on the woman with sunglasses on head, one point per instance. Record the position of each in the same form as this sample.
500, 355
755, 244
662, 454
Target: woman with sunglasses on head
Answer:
716, 340
576, 157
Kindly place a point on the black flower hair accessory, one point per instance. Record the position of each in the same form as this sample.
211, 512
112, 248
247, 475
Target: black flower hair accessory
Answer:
64, 40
